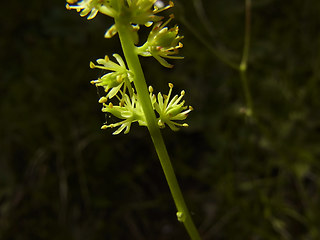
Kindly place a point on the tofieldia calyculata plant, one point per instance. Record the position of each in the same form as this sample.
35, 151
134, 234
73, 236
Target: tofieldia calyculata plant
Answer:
124, 83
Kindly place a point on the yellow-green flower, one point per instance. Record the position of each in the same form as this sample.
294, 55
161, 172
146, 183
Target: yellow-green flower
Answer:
129, 110
135, 12
171, 110
114, 80
162, 43
143, 12
92, 7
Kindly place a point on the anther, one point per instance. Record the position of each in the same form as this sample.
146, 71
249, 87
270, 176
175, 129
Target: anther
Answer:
119, 78
103, 100
148, 24
161, 124
92, 65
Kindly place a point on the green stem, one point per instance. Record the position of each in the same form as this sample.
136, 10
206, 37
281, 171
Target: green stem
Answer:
204, 41
247, 94
129, 50
246, 45
242, 67
244, 60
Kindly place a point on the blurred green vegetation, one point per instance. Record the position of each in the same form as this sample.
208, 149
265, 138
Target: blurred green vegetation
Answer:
61, 177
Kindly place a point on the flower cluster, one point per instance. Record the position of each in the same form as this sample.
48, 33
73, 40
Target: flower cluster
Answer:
137, 12
129, 110
161, 43
120, 98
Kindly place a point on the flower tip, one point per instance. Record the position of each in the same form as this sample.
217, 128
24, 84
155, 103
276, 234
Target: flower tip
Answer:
183, 92
171, 4
104, 127
185, 125
111, 32
110, 105
103, 100
92, 65
171, 15
148, 24
72, 1
170, 85
190, 108
150, 89
119, 78
68, 6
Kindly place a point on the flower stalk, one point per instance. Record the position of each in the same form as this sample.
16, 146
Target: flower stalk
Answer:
128, 47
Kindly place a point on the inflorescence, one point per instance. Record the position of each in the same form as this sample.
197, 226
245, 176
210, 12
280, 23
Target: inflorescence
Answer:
120, 98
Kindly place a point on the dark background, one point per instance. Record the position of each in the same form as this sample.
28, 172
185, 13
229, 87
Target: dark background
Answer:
61, 177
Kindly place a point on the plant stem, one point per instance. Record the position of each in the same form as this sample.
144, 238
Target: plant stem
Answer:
246, 45
204, 41
244, 60
242, 67
129, 50
246, 91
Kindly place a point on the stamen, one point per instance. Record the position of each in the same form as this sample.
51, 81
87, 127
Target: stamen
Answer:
92, 65
72, 1
103, 100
